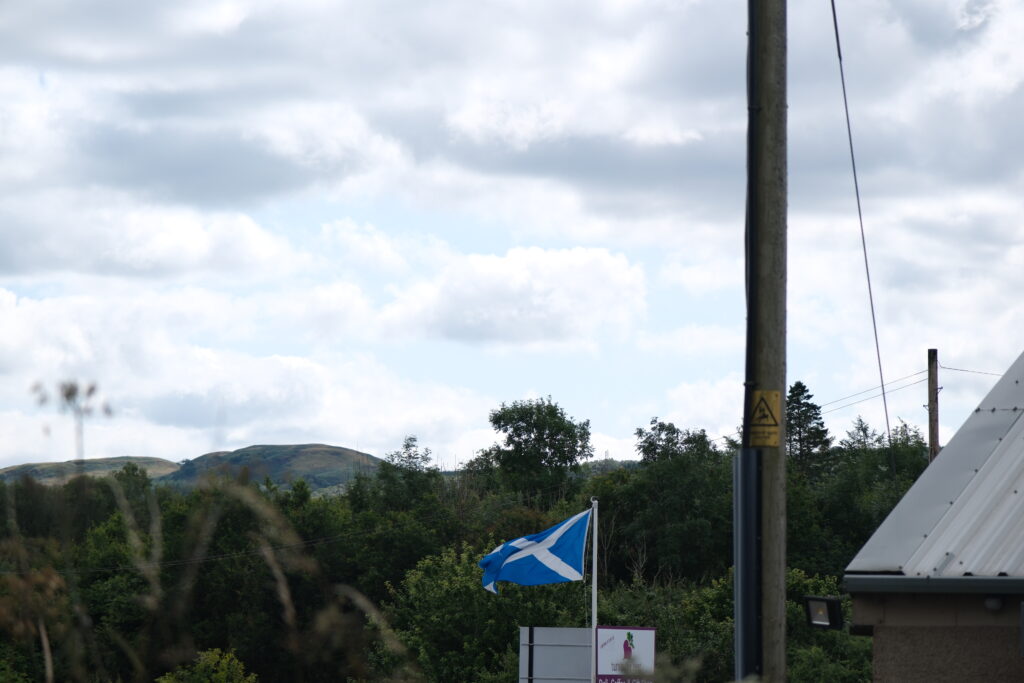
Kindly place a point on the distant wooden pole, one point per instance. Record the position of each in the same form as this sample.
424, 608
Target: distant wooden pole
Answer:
933, 404
763, 444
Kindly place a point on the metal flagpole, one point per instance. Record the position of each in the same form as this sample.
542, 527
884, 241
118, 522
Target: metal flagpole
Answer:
593, 596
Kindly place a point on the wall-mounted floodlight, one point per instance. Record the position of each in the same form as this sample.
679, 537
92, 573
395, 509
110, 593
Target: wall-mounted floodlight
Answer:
824, 612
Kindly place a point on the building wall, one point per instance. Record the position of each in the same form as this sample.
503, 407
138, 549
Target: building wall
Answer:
935, 654
936, 638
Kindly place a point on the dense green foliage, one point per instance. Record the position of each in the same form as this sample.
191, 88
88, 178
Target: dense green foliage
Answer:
211, 666
542, 449
123, 579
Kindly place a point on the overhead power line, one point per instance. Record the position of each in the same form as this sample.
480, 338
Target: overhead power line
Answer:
849, 396
890, 383
860, 218
874, 388
853, 403
976, 372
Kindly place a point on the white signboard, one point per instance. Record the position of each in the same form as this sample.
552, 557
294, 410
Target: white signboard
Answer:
555, 655
624, 654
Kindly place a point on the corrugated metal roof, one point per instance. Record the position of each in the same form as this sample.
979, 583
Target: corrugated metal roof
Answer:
964, 516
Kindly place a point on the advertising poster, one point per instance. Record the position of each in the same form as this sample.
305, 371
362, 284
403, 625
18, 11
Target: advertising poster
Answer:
625, 654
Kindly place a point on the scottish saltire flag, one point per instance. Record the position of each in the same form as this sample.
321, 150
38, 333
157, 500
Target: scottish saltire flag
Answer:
551, 556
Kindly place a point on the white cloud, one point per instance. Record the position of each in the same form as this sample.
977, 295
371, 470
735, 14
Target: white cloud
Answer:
105, 232
661, 133
465, 447
33, 135
715, 406
527, 296
695, 340
329, 137
704, 276
501, 176
324, 313
994, 66
364, 245
199, 399
366, 403
486, 116
218, 17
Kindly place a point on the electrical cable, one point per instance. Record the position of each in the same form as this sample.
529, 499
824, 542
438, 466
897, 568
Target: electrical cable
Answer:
853, 403
874, 388
976, 372
863, 239
843, 398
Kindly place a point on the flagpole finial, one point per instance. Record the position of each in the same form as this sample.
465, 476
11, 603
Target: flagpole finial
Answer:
593, 499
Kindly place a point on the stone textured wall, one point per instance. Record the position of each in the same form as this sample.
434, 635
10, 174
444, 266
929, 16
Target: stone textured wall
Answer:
947, 653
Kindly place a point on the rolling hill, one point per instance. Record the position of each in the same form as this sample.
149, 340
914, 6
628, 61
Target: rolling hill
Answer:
55, 473
319, 465
324, 468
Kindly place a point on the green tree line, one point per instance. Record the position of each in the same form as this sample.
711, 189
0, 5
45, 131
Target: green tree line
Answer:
119, 580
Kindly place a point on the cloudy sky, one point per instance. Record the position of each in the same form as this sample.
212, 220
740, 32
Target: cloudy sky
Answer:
253, 221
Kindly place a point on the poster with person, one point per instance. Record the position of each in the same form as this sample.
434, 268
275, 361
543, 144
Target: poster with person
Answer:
625, 654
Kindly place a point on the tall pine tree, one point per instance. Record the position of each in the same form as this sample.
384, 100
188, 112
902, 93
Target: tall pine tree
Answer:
807, 438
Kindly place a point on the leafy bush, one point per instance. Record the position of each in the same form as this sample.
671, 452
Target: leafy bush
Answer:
211, 666
457, 631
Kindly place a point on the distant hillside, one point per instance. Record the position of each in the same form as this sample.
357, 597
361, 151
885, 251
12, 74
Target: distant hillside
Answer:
53, 473
325, 468
319, 465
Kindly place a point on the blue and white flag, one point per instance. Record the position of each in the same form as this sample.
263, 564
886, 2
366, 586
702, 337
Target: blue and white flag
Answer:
551, 556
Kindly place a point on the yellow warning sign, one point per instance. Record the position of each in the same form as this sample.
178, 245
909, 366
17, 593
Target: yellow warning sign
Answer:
764, 419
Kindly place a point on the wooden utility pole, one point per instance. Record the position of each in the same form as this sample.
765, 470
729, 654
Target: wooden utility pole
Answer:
761, 647
933, 404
